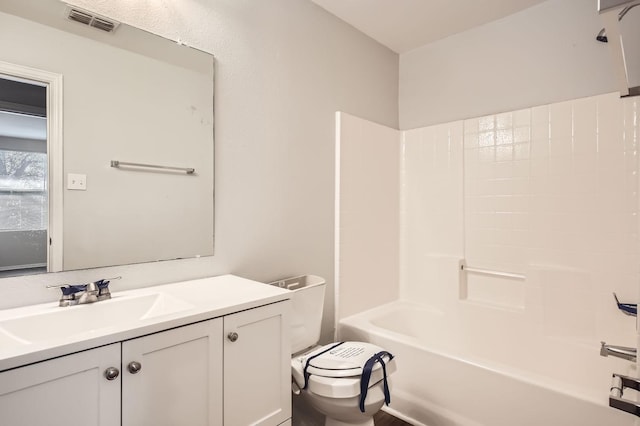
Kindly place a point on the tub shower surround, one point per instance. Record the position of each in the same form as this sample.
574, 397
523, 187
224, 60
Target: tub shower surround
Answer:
553, 189
550, 195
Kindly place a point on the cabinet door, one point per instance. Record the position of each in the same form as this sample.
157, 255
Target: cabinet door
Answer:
257, 366
179, 381
70, 390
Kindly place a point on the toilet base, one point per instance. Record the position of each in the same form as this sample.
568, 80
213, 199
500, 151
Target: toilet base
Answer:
334, 422
346, 411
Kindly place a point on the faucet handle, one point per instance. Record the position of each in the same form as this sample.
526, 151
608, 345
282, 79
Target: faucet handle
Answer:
97, 289
69, 289
74, 288
103, 289
57, 285
104, 283
69, 292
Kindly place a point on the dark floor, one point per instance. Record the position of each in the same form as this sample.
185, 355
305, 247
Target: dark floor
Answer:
304, 415
384, 419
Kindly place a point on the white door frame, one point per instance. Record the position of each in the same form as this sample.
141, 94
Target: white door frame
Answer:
55, 182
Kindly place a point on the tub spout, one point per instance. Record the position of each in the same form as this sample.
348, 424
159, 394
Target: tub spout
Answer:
618, 351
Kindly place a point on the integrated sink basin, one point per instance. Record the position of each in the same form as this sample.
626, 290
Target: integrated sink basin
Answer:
34, 333
53, 322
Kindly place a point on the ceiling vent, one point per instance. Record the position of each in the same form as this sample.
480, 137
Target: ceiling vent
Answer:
92, 20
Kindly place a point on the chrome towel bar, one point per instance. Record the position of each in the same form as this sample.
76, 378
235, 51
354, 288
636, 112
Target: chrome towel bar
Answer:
187, 170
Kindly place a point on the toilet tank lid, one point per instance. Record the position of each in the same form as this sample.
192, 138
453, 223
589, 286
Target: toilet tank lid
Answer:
299, 282
345, 360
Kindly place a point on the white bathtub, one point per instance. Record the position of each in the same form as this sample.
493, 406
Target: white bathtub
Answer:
456, 373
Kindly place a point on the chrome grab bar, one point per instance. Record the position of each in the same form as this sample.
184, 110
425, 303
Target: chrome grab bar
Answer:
618, 385
464, 267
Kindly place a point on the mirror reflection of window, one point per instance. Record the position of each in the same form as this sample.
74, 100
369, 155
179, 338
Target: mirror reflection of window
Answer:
23, 177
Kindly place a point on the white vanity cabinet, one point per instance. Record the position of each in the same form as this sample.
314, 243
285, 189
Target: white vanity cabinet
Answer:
71, 390
174, 377
257, 354
231, 370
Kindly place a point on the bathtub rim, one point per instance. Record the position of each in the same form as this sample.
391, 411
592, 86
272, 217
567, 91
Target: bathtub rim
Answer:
363, 318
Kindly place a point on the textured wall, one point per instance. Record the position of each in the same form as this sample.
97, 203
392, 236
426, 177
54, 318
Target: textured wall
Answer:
544, 54
283, 68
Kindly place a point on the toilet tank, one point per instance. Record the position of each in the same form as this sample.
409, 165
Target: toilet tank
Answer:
307, 302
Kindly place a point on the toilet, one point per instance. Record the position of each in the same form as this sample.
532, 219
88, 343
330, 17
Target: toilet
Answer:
330, 377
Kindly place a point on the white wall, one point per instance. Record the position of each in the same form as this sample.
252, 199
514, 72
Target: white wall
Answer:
283, 68
544, 54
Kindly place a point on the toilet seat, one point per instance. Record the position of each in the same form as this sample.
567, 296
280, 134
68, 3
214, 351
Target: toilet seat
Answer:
343, 360
337, 372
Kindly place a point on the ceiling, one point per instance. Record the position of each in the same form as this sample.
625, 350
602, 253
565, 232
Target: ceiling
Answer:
404, 25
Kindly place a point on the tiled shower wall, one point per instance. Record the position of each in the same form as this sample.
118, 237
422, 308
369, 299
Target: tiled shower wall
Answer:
431, 218
550, 193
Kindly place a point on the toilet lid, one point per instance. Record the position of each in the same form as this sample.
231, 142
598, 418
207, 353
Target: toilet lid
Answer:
344, 360
337, 372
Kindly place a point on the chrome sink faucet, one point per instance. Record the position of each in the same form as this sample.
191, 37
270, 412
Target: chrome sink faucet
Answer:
88, 295
623, 352
80, 294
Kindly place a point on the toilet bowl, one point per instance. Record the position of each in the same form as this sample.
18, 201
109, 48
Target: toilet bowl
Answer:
348, 382
345, 412
334, 381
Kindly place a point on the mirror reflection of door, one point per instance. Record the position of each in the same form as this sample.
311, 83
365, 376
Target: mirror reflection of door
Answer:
23, 177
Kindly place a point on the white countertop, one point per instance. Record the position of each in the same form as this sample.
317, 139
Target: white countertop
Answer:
107, 322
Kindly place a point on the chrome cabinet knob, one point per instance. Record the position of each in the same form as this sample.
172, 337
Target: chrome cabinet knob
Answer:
233, 336
111, 373
134, 367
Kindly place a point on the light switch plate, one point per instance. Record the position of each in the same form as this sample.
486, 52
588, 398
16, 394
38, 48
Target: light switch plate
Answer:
77, 182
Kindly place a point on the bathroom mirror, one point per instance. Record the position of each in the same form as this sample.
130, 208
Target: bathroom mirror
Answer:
128, 96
